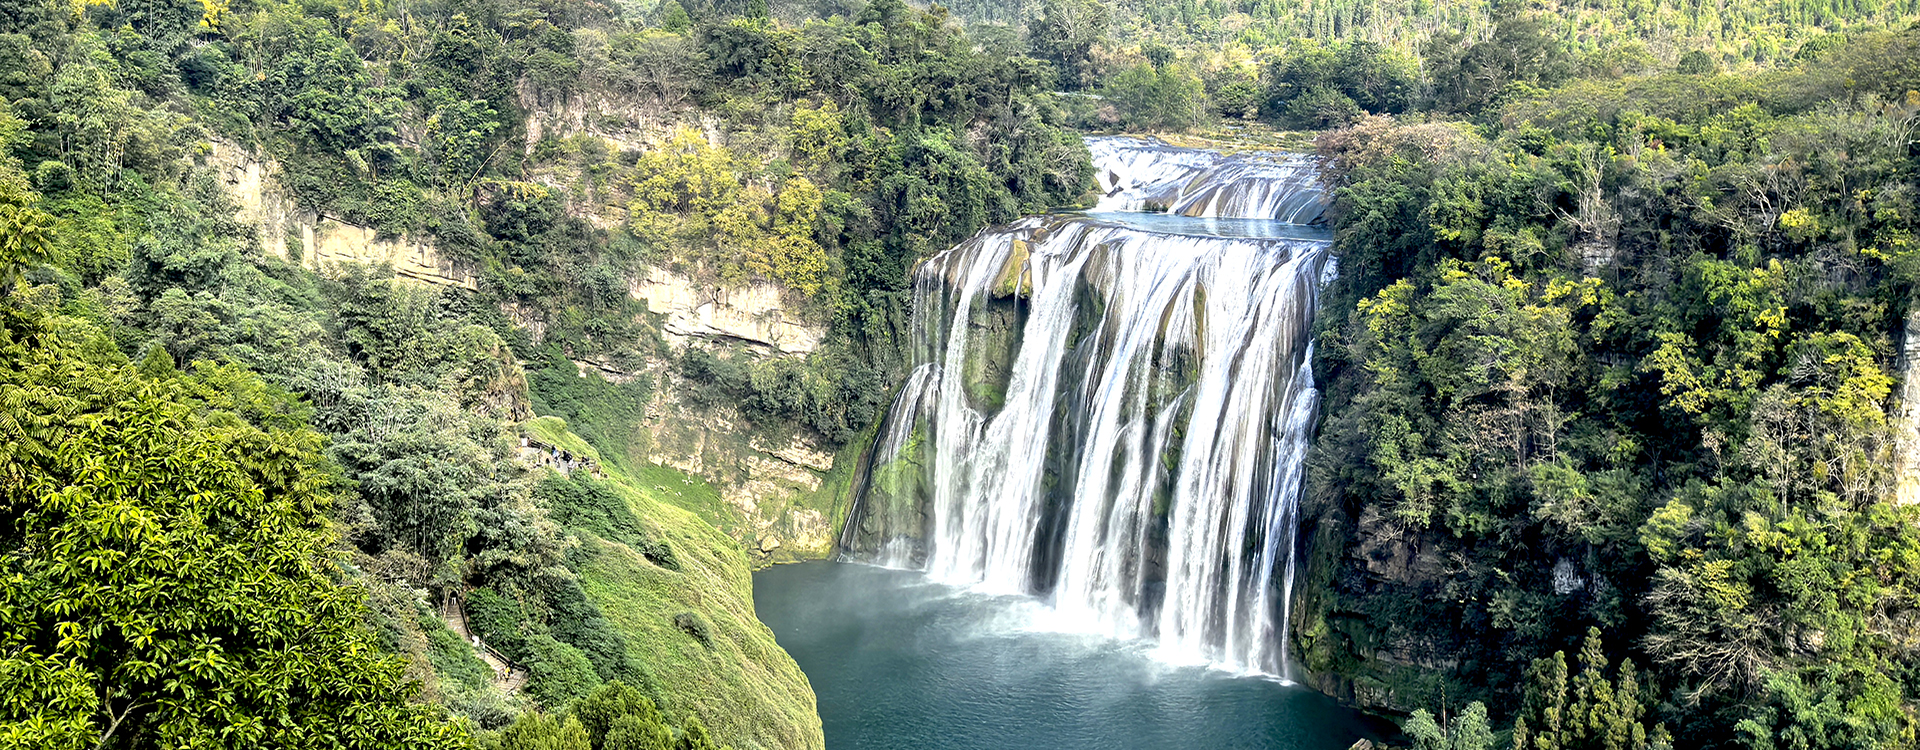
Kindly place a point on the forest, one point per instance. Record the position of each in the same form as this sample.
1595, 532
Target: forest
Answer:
1621, 355
1612, 372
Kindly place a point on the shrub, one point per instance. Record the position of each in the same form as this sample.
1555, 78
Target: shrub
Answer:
590, 504
558, 672
618, 716
579, 623
496, 619
692, 624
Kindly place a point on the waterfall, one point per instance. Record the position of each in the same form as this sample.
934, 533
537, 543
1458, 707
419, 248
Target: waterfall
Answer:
1138, 174
1115, 417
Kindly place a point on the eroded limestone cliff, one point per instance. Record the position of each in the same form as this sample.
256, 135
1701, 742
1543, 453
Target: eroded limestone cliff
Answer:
314, 241
768, 483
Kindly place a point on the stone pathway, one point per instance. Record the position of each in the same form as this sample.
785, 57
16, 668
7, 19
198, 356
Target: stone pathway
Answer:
508, 678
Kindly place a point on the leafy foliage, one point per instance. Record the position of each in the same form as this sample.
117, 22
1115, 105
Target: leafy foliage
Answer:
163, 581
1626, 360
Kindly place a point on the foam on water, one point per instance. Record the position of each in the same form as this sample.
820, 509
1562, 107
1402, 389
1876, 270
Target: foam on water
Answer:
1139, 472
1146, 174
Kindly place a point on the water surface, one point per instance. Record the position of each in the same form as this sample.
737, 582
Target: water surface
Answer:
1210, 226
898, 662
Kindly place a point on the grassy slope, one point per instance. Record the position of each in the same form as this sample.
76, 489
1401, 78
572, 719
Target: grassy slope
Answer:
741, 683
687, 491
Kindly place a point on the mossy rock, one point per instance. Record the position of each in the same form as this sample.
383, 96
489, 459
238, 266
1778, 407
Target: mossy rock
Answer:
995, 330
1015, 277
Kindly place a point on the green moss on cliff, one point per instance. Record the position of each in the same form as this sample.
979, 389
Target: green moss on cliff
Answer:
995, 330
832, 500
689, 492
737, 679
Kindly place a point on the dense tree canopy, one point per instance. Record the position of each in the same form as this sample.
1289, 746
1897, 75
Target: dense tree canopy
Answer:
1627, 360
162, 583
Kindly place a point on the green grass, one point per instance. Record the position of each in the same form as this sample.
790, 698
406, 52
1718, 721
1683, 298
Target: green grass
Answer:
452, 659
688, 492
739, 681
554, 430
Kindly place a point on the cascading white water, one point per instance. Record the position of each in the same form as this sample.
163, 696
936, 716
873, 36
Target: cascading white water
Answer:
1140, 174
1117, 417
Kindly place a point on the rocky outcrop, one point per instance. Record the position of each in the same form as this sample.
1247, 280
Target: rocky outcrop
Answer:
764, 481
767, 482
772, 479
755, 313
625, 123
314, 241
1343, 656
1907, 421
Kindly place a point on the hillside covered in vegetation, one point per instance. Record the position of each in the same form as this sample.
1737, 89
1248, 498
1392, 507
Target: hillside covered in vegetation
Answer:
429, 374
374, 242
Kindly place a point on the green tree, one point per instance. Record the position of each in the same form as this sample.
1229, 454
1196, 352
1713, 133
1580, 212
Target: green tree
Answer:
535, 730
1592, 711
633, 732
1155, 97
618, 717
558, 672
26, 235
1469, 729
1697, 62
673, 17
694, 736
1469, 77
162, 583
1065, 34
1424, 731
1321, 107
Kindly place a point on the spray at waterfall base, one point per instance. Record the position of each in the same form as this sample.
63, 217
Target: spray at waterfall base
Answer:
1112, 411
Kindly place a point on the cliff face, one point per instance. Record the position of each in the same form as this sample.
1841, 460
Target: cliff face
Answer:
891, 517
781, 490
727, 499
778, 491
768, 483
1344, 655
315, 241
755, 314
777, 497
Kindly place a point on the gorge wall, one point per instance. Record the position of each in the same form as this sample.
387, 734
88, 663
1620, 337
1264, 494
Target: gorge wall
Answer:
725, 500
313, 241
768, 483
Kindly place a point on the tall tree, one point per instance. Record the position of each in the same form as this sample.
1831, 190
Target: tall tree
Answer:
161, 573
1065, 34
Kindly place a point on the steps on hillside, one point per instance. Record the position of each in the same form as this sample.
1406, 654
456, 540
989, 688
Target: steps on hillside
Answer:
507, 677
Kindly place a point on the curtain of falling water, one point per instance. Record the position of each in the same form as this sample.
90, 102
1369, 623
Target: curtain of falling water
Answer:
1116, 417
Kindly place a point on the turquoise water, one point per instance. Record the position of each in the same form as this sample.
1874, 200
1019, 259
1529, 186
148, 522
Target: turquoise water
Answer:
898, 662
1263, 229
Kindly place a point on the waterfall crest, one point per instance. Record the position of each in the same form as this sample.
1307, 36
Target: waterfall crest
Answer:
1143, 174
1113, 417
